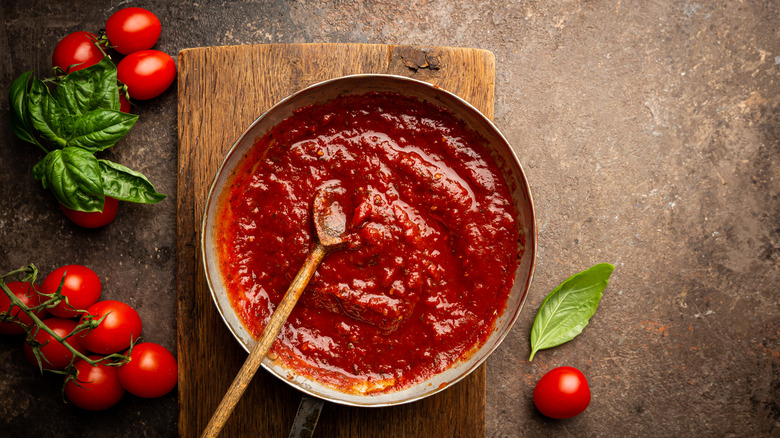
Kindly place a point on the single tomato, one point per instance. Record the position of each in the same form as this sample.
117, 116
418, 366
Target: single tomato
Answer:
54, 355
146, 73
151, 372
121, 326
132, 29
562, 393
95, 219
77, 51
26, 295
124, 106
98, 386
81, 287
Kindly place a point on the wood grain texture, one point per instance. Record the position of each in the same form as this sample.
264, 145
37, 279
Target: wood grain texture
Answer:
221, 91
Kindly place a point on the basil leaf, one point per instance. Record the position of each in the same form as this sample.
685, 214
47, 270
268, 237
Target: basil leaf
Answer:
89, 89
127, 185
73, 176
20, 116
568, 308
46, 115
97, 130
39, 171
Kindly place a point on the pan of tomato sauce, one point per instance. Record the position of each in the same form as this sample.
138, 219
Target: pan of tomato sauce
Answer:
441, 230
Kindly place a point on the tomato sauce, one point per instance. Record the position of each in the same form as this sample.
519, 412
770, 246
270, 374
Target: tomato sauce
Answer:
434, 241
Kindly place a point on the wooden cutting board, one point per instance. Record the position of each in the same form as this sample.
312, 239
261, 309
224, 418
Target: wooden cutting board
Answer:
221, 91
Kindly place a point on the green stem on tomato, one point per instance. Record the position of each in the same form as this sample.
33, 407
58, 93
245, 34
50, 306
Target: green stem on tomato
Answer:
33, 273
57, 296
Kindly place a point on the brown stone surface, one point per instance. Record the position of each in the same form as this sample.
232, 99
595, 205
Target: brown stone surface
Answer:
648, 131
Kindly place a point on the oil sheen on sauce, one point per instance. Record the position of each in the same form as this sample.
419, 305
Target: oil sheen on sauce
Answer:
434, 233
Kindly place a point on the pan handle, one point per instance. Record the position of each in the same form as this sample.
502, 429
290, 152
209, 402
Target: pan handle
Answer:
306, 419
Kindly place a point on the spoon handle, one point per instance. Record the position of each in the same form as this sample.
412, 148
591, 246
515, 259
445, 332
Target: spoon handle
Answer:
262, 346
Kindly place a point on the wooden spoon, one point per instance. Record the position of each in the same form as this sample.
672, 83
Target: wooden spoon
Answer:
330, 224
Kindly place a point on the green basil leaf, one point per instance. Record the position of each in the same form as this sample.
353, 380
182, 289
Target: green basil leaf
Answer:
39, 171
89, 89
568, 308
97, 130
73, 176
127, 185
46, 115
20, 116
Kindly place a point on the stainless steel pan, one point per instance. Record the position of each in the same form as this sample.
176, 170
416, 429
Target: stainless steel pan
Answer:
499, 149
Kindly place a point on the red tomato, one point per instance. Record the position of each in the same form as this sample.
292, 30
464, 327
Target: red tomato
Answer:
82, 288
132, 29
124, 106
562, 393
115, 332
151, 372
29, 297
100, 388
94, 219
55, 356
76, 51
146, 73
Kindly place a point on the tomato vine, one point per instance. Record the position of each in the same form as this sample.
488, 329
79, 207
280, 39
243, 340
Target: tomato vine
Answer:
28, 274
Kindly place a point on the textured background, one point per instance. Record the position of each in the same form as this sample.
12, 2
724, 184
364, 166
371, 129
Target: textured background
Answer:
649, 134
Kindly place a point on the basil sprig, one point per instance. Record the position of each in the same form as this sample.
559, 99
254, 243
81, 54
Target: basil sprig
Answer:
79, 118
568, 308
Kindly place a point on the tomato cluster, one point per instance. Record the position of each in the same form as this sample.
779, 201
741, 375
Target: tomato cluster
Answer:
131, 32
142, 73
99, 330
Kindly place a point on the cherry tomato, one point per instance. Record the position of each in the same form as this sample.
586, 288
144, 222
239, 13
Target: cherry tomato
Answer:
76, 51
95, 219
146, 73
82, 288
151, 372
562, 393
113, 334
100, 388
132, 29
29, 297
55, 356
124, 106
